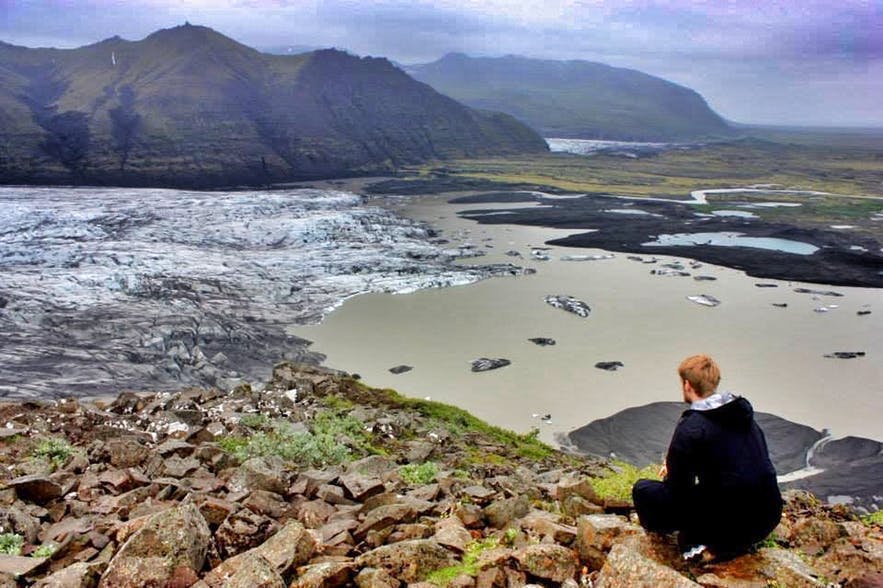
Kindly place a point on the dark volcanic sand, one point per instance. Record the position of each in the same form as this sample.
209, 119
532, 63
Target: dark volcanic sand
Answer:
834, 263
849, 466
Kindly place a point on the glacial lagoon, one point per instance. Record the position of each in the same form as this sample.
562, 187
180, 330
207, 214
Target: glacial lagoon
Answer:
772, 354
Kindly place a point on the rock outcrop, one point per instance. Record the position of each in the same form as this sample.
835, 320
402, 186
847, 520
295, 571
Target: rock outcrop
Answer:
339, 484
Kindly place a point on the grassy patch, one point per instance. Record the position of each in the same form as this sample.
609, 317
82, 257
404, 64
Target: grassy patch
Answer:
11, 543
618, 485
469, 565
459, 422
875, 518
53, 450
419, 474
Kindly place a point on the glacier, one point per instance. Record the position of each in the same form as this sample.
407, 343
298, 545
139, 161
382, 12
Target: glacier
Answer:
107, 289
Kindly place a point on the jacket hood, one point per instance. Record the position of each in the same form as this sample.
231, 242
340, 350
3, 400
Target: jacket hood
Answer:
728, 411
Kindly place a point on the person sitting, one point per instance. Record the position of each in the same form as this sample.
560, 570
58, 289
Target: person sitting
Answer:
719, 488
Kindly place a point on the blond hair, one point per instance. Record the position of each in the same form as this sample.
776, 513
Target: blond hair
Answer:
702, 373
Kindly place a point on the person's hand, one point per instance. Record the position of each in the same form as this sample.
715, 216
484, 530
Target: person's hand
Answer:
663, 470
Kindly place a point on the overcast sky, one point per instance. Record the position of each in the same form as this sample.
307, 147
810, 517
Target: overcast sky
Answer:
803, 62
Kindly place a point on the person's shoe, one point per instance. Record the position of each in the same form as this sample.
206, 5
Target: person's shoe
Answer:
696, 553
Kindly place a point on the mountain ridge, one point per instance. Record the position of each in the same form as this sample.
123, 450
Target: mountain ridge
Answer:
575, 98
190, 107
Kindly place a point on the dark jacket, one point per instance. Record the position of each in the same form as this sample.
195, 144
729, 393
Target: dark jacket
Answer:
720, 476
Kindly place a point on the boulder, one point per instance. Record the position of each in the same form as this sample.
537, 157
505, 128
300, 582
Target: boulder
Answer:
575, 487
175, 537
78, 575
548, 562
15, 520
596, 534
360, 487
271, 560
502, 512
36, 488
260, 473
241, 531
18, 566
323, 575
451, 533
628, 566
374, 578
767, 567
125, 452
385, 516
248, 571
408, 561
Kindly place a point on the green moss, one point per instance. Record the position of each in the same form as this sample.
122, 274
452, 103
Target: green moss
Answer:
45, 550
419, 474
875, 518
469, 565
11, 543
460, 422
255, 421
618, 484
338, 403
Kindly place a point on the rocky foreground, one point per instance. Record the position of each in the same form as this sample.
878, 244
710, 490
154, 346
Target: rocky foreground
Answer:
317, 480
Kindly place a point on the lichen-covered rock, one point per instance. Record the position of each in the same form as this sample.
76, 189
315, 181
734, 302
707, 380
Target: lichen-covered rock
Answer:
502, 512
243, 530
260, 473
580, 487
548, 562
323, 575
596, 534
769, 566
851, 558
175, 537
385, 516
249, 570
125, 452
626, 566
451, 533
78, 575
374, 578
408, 561
36, 488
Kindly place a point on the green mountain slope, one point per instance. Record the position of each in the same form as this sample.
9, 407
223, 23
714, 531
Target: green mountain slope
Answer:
575, 99
188, 106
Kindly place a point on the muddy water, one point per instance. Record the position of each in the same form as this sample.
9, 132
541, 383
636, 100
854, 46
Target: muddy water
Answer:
773, 356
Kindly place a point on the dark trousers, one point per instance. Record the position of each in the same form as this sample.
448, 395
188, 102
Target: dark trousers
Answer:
656, 507
730, 525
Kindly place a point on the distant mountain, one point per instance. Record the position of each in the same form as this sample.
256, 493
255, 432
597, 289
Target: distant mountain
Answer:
188, 106
575, 99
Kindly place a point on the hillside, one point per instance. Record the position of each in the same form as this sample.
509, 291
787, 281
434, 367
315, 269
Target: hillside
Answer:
575, 99
317, 480
188, 106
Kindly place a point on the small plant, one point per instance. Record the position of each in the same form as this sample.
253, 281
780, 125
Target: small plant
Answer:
255, 420
55, 451
469, 566
11, 543
331, 441
419, 474
45, 550
618, 485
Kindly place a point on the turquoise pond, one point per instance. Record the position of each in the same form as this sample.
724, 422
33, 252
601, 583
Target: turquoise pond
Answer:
733, 240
